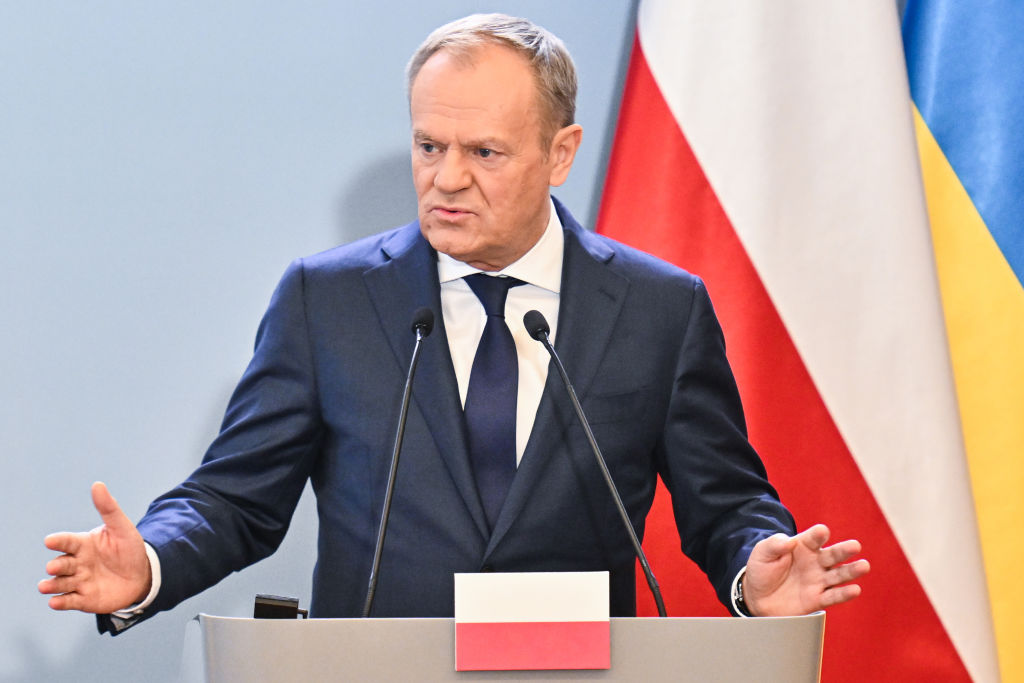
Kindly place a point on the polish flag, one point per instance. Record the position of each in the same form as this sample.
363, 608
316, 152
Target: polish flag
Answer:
542, 620
769, 148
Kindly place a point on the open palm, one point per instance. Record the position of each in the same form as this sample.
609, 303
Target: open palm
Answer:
102, 570
790, 575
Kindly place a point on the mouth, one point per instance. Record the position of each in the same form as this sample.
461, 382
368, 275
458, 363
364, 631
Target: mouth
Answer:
450, 213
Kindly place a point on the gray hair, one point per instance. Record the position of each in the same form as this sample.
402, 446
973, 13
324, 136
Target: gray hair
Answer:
553, 68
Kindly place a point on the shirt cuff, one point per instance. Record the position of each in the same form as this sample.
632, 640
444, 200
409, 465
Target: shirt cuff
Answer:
734, 594
139, 608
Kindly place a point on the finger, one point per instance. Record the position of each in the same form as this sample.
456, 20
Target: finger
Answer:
840, 594
108, 508
64, 542
61, 566
56, 585
859, 568
839, 553
845, 573
66, 601
851, 572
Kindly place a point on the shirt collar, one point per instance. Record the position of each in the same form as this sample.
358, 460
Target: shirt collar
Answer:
540, 266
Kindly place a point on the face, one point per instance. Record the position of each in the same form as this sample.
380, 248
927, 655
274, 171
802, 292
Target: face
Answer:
481, 173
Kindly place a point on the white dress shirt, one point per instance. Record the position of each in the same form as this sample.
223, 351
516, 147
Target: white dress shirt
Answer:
464, 319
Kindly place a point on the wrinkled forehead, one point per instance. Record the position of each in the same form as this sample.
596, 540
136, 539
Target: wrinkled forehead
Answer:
489, 81
489, 76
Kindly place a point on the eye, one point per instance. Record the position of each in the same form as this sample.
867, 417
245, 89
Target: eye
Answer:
485, 153
428, 147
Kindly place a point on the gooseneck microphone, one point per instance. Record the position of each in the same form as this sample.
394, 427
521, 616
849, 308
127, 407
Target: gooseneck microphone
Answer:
422, 326
538, 328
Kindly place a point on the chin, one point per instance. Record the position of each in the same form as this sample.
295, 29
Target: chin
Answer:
444, 246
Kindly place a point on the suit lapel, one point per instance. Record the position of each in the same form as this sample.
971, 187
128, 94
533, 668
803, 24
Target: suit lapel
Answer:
591, 298
406, 281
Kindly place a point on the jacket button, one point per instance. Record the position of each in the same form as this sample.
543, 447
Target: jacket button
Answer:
487, 568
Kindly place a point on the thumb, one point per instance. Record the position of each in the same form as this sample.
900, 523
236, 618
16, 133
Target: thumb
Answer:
110, 511
775, 546
815, 537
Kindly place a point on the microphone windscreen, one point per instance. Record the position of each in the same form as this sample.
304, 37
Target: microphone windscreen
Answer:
423, 320
536, 325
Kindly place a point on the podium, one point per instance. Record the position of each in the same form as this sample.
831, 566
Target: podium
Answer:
721, 649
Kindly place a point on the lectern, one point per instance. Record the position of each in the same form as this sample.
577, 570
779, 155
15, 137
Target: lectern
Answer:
720, 649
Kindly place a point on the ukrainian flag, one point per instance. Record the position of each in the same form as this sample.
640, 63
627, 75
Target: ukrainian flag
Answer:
966, 66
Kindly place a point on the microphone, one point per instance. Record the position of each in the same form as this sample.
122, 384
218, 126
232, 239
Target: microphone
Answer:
538, 328
422, 326
422, 321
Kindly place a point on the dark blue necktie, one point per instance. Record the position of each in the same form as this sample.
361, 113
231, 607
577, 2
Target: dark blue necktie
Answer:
491, 397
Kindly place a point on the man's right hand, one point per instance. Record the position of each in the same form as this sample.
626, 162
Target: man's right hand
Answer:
103, 570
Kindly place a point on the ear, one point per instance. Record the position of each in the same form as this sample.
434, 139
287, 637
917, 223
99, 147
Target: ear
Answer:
563, 152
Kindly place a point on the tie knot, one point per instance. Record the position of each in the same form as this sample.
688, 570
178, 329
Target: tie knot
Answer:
492, 291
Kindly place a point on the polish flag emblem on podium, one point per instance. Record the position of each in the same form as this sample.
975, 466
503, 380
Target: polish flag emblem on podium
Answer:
521, 621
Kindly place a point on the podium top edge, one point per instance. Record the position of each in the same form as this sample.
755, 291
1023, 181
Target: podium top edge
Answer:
813, 616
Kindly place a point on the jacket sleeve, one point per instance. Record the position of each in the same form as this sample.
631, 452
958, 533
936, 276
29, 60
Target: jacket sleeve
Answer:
722, 500
235, 508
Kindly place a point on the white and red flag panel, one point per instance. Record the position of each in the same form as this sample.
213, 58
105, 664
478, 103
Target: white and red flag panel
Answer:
537, 620
769, 148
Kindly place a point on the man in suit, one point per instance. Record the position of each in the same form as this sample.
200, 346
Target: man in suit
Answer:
492, 103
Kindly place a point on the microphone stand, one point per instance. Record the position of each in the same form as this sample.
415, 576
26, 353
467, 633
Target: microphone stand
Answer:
423, 324
538, 328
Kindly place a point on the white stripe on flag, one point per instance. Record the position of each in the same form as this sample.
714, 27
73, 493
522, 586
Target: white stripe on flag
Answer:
534, 596
799, 115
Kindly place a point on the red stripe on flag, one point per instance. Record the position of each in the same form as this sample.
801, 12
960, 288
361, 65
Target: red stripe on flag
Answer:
523, 645
657, 198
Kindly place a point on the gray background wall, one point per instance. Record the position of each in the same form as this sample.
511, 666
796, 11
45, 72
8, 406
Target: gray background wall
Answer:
160, 165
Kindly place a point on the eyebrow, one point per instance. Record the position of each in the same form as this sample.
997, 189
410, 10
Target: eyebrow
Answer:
489, 143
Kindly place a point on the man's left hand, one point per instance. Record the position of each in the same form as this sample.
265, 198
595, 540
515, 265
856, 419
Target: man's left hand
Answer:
791, 575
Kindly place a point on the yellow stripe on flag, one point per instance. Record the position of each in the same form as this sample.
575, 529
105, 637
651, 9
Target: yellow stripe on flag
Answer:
984, 307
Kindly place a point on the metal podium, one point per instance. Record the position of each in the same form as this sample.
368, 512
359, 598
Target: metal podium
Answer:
719, 649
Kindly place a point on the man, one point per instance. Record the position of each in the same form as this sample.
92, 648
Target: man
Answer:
492, 103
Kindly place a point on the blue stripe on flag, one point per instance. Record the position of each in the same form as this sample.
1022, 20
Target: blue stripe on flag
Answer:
966, 66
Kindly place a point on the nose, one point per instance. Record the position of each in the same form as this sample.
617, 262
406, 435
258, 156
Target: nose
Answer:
452, 172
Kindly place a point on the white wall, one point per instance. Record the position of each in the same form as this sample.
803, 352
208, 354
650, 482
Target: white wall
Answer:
160, 165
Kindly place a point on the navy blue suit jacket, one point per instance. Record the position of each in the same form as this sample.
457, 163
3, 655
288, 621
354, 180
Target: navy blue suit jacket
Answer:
320, 399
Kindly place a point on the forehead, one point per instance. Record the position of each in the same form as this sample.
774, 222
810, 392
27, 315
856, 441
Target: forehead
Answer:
491, 85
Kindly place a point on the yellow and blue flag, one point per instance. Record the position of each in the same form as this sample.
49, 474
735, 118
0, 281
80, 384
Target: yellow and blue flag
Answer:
966, 67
